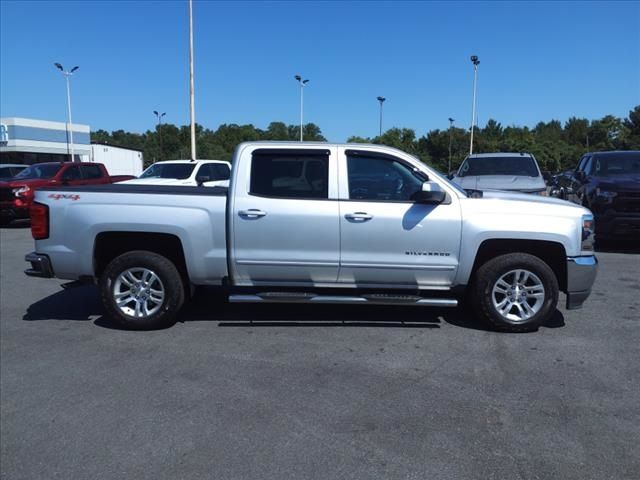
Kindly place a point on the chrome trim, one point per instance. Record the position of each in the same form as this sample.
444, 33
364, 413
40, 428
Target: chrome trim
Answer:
398, 266
280, 263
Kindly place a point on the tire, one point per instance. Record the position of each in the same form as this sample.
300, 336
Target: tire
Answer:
516, 292
152, 285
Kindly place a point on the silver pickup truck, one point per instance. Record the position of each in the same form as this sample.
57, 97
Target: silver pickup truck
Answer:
318, 223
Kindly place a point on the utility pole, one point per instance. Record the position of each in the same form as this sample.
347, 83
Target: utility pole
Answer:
67, 75
476, 62
302, 84
451, 120
381, 100
191, 93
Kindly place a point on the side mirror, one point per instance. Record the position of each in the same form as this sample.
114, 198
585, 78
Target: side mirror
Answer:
200, 179
581, 176
451, 175
430, 193
546, 174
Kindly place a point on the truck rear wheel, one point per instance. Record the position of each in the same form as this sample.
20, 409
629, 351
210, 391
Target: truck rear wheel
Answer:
142, 290
516, 292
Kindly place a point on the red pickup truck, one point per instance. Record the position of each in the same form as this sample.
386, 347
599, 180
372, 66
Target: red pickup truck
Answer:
16, 194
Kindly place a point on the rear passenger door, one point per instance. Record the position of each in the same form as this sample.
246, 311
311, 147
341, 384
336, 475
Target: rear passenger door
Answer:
285, 225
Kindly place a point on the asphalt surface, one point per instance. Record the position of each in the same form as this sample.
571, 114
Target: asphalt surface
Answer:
299, 392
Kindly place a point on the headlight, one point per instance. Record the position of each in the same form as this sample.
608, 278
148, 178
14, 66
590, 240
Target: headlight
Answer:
587, 235
20, 191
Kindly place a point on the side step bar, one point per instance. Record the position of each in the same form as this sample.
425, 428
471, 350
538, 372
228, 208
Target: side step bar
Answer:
409, 300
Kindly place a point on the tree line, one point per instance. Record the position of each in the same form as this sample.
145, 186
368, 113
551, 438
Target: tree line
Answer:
556, 146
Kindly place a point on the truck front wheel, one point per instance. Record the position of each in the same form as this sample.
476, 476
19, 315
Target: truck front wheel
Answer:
142, 290
516, 292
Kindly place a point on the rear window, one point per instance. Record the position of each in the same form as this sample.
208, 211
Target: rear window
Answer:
519, 166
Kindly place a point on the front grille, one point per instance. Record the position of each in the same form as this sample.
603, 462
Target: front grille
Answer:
627, 203
6, 194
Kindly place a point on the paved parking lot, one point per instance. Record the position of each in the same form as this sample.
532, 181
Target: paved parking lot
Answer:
278, 392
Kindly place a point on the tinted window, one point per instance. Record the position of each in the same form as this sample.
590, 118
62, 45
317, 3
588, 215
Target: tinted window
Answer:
221, 171
519, 166
40, 171
214, 171
588, 165
374, 178
179, 171
290, 176
617, 164
72, 173
92, 171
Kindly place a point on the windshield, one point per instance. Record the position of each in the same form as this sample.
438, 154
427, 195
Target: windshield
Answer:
520, 166
179, 171
617, 164
39, 171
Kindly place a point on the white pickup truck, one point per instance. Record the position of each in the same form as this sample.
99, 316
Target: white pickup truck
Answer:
318, 223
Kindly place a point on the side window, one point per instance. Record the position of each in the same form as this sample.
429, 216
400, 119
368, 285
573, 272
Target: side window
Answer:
221, 171
91, 171
72, 173
582, 163
381, 179
290, 175
588, 165
205, 171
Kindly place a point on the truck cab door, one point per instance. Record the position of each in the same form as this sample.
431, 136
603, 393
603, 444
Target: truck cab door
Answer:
386, 238
284, 217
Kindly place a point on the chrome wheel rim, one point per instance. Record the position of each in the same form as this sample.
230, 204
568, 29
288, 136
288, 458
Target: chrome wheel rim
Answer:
138, 292
518, 295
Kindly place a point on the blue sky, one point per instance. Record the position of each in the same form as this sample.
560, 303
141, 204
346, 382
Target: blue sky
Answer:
539, 61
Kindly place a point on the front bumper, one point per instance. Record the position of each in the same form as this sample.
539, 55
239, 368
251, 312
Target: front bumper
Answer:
581, 273
9, 212
40, 265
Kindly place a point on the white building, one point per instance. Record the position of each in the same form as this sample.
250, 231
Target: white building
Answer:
28, 141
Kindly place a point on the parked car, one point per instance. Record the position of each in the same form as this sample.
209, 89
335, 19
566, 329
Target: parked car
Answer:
10, 170
210, 173
514, 172
607, 183
364, 224
16, 194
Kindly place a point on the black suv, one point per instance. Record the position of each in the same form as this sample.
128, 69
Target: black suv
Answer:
607, 183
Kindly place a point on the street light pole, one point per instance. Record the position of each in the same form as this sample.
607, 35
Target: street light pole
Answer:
302, 84
159, 129
191, 89
381, 100
451, 120
476, 62
69, 121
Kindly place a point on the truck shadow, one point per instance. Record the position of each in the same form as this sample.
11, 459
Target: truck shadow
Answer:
83, 304
617, 246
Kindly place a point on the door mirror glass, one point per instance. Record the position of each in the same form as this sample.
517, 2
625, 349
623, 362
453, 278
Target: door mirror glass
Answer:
580, 175
429, 193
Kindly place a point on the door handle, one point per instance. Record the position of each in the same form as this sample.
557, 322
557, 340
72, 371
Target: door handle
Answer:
252, 213
358, 216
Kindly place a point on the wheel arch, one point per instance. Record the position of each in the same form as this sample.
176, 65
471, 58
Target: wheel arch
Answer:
552, 253
109, 245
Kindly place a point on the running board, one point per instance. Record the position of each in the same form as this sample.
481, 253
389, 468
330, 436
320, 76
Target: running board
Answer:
286, 297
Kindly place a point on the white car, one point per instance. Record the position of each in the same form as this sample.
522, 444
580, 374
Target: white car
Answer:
210, 173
